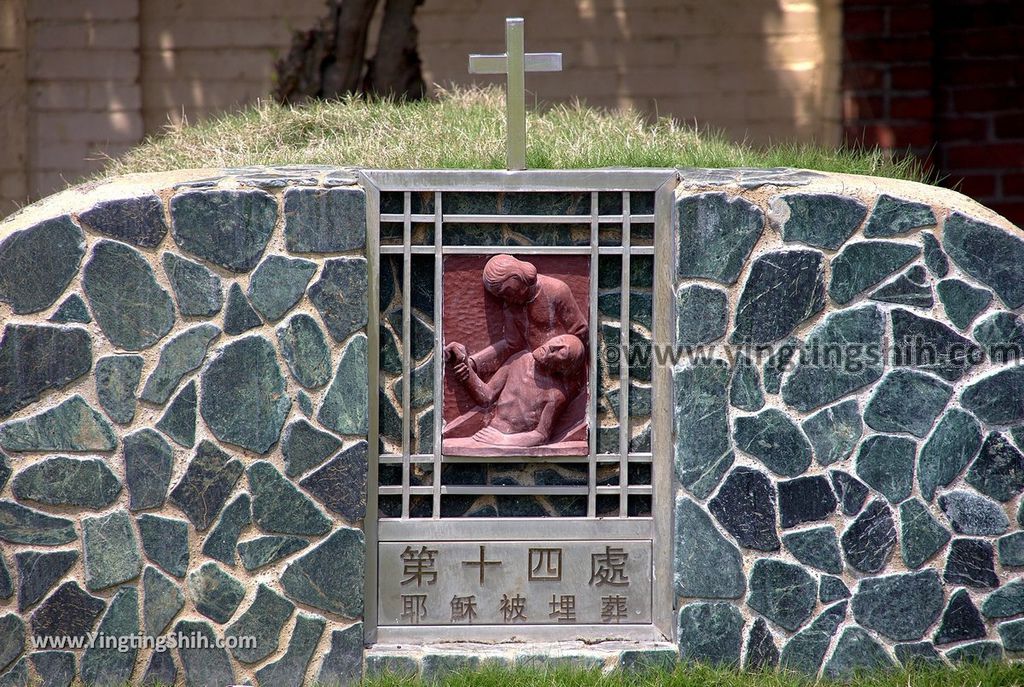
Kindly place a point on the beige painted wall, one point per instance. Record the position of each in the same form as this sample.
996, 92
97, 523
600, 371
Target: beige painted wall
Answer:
86, 78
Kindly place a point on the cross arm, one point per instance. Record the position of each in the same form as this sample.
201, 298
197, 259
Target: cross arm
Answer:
498, 64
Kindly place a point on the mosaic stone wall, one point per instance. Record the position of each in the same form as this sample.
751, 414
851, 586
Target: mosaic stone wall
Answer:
183, 414
849, 424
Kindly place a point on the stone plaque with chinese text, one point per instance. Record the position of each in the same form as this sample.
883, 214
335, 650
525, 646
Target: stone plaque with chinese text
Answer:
515, 583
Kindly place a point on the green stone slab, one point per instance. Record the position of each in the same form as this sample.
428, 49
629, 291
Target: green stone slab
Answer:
109, 665
279, 507
179, 420
243, 397
886, 464
111, 550
892, 216
707, 565
21, 525
215, 593
165, 542
816, 382
162, 599
263, 622
38, 263
921, 535
330, 577
305, 351
117, 378
220, 543
824, 220
239, 316
861, 265
345, 408
783, 290
198, 290
710, 633
131, 308
961, 301
278, 284
989, 254
72, 425
228, 228
179, 356
206, 484
63, 481
34, 359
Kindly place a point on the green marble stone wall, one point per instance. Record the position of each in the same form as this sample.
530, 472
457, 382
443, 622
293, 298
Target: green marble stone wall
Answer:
183, 420
849, 407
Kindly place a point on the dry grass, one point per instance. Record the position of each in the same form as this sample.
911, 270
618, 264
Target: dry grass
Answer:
464, 128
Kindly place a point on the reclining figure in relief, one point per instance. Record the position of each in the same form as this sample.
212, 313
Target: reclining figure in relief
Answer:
534, 396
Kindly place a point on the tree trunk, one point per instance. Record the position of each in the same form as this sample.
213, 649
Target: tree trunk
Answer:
396, 69
329, 60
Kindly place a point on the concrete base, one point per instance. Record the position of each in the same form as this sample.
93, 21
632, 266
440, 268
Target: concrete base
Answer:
430, 662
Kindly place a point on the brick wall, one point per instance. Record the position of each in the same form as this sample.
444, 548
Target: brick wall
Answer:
13, 107
93, 77
82, 73
944, 78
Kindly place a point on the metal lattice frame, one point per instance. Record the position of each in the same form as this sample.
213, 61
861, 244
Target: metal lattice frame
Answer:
404, 528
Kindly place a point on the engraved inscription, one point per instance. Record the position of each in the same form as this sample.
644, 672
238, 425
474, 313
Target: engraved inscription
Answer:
414, 608
514, 583
609, 567
419, 566
482, 563
513, 609
614, 608
463, 609
545, 564
563, 608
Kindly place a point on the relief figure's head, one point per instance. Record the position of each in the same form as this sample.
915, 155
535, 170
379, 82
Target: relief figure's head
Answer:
560, 354
510, 279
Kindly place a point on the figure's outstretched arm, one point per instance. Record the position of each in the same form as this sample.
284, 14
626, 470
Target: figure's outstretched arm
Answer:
484, 393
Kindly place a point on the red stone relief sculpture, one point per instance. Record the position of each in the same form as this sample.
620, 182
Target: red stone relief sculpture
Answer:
516, 378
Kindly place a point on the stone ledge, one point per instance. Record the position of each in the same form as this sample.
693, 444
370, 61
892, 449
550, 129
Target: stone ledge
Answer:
435, 660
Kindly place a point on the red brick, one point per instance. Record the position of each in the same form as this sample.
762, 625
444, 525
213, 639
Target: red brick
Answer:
864, 21
911, 77
986, 99
985, 156
1013, 184
1010, 125
977, 185
920, 107
889, 49
863, 77
990, 41
1003, 72
910, 19
972, 129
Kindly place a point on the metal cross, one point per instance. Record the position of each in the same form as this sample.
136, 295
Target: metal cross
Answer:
515, 63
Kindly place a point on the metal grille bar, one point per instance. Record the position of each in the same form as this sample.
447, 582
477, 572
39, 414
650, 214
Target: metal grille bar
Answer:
494, 250
520, 219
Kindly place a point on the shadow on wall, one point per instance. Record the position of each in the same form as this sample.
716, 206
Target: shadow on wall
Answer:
767, 74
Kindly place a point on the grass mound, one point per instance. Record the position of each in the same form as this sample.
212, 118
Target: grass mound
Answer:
465, 129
